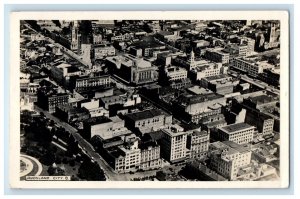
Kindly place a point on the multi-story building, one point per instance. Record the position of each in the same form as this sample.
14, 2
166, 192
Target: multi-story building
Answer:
75, 40
226, 158
101, 51
150, 155
197, 143
49, 99
217, 55
173, 144
194, 108
93, 106
221, 84
124, 158
88, 83
175, 73
264, 123
251, 65
132, 70
240, 133
68, 113
236, 50
207, 69
147, 120
62, 73
104, 127
97, 38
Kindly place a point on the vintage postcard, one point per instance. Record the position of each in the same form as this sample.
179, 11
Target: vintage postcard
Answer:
149, 99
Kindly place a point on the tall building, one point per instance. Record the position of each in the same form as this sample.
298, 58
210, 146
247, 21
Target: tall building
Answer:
173, 144
75, 38
197, 143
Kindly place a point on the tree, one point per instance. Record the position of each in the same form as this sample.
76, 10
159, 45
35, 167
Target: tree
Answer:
91, 171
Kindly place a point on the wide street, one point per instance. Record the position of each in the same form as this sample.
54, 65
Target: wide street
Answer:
89, 149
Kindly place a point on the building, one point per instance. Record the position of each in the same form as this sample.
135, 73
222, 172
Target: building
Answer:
207, 69
69, 113
194, 108
251, 65
150, 155
49, 99
97, 38
226, 158
62, 73
264, 123
174, 73
93, 106
89, 83
236, 50
173, 144
240, 133
197, 143
124, 158
132, 70
75, 38
199, 171
102, 51
221, 84
104, 127
270, 76
147, 120
217, 55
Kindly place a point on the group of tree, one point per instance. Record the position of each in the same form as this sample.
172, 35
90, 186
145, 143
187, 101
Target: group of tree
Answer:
91, 171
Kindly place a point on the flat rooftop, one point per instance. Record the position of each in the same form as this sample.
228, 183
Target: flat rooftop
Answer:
236, 127
144, 114
97, 120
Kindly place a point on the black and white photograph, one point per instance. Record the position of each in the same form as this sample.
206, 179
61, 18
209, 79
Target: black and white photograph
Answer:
190, 100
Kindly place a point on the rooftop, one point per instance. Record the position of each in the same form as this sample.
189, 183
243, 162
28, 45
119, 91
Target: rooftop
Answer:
232, 128
97, 120
144, 114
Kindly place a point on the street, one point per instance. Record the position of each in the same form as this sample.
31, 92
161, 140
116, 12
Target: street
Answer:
109, 172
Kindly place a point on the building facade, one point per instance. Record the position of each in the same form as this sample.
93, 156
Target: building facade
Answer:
240, 133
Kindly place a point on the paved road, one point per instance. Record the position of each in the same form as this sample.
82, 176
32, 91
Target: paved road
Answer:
84, 144
260, 84
109, 172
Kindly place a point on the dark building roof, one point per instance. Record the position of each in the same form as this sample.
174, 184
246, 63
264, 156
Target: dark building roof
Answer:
145, 145
144, 114
97, 120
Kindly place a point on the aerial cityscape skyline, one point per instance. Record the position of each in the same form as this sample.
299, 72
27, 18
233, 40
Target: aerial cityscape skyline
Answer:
150, 100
